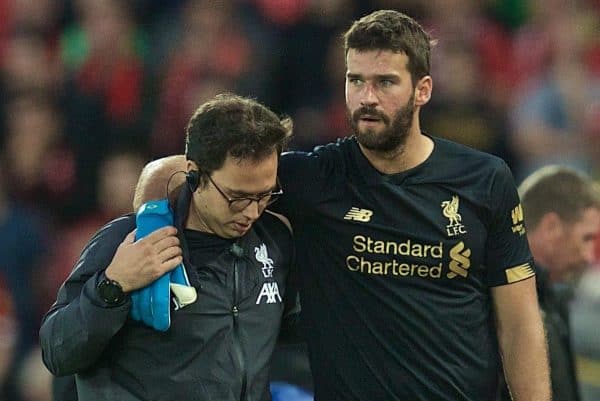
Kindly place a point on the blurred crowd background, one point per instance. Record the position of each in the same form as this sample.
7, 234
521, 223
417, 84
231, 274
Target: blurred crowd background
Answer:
93, 89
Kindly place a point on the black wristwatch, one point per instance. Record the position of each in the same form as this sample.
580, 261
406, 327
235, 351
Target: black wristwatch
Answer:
111, 292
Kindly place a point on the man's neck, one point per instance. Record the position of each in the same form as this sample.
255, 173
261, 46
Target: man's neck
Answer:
195, 221
413, 152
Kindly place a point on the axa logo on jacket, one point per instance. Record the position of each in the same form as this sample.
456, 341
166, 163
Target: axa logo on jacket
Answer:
269, 292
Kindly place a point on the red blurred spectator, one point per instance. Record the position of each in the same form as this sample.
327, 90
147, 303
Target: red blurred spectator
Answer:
105, 50
211, 56
118, 176
40, 169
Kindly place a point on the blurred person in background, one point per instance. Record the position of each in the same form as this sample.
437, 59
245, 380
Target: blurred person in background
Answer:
561, 208
33, 379
8, 333
23, 240
106, 91
585, 324
210, 55
311, 32
461, 111
43, 176
29, 63
553, 114
117, 177
27, 66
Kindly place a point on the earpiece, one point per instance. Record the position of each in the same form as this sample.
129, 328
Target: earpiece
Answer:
192, 179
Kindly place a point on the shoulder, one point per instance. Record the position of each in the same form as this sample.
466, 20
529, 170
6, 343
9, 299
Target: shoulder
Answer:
100, 249
472, 174
281, 218
304, 173
276, 224
338, 151
117, 227
461, 161
334, 150
323, 158
460, 154
108, 237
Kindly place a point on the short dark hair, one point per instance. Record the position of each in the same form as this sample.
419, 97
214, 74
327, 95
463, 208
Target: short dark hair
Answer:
562, 190
232, 125
395, 31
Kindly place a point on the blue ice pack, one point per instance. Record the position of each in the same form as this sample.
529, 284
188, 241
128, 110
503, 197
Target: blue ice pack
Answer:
151, 305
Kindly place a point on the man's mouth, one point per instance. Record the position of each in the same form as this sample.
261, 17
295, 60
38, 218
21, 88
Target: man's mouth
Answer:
241, 227
370, 118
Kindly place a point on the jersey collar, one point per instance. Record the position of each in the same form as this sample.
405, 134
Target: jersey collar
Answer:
373, 177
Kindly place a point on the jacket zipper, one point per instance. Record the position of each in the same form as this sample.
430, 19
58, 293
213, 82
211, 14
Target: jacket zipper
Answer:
237, 346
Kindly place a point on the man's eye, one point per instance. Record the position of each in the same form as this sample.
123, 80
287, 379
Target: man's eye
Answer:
355, 81
386, 82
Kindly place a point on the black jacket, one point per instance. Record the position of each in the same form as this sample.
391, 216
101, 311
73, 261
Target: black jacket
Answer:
216, 349
554, 304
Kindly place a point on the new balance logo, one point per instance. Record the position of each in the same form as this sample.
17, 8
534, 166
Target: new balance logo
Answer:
357, 214
270, 291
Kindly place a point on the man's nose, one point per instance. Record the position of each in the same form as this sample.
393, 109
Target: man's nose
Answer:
252, 211
369, 97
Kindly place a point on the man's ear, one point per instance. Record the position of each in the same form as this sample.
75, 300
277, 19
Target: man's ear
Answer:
552, 226
423, 90
192, 176
190, 165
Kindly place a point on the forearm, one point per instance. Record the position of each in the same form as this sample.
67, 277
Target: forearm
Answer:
79, 325
74, 335
525, 359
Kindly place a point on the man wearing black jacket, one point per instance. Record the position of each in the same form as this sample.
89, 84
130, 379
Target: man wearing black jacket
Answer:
236, 257
561, 208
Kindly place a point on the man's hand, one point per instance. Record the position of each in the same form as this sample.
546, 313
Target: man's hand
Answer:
137, 264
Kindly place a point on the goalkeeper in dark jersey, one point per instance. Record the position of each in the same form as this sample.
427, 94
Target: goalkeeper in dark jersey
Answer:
417, 280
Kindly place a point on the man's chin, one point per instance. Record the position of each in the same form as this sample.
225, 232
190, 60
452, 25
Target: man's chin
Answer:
377, 145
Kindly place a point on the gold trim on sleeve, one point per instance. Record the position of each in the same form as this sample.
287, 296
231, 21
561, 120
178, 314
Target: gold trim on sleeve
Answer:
519, 273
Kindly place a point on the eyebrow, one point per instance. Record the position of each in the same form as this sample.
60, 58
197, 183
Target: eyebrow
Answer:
242, 194
377, 76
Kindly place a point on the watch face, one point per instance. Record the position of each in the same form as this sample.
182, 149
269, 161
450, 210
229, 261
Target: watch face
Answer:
111, 292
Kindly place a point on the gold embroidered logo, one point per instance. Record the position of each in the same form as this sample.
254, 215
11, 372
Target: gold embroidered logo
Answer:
357, 214
460, 263
517, 220
450, 211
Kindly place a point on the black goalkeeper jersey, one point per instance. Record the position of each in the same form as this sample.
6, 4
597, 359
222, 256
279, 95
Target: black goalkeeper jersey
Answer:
396, 270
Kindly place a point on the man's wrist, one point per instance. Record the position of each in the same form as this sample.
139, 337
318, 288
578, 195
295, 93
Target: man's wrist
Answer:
110, 291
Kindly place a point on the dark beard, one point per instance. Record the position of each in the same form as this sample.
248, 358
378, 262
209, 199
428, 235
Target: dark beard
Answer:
393, 135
